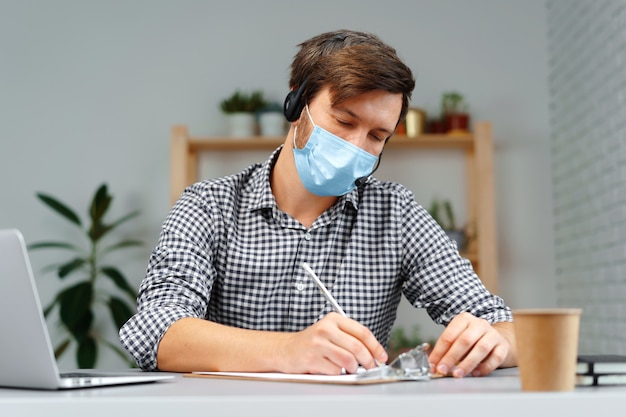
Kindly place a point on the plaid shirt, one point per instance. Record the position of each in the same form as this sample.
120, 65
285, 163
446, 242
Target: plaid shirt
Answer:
227, 253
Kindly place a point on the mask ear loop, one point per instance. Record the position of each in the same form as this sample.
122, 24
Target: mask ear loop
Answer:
309, 113
295, 129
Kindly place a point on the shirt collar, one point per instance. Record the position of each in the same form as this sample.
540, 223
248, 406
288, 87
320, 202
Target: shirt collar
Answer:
261, 194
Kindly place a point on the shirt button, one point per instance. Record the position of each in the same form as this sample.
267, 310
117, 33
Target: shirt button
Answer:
299, 286
307, 236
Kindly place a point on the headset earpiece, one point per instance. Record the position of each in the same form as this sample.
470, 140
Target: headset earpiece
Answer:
294, 104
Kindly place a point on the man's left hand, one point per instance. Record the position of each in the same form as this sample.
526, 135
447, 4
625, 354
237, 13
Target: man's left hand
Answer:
470, 345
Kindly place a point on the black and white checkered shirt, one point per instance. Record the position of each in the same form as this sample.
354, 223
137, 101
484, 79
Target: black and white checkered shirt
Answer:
228, 254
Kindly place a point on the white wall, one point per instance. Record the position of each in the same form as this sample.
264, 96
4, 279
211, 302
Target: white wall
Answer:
89, 90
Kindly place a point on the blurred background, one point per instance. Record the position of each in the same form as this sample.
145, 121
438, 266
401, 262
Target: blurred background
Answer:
89, 91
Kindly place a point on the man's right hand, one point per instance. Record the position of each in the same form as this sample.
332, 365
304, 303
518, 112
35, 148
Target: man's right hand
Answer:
333, 344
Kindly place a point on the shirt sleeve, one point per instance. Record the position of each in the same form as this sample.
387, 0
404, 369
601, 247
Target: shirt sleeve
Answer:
439, 279
178, 280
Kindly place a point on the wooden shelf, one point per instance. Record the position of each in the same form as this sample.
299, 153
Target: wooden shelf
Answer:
477, 147
199, 144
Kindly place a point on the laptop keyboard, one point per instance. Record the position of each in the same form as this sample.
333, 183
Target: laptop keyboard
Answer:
80, 375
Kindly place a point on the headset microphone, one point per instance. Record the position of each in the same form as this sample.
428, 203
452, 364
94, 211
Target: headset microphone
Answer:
363, 180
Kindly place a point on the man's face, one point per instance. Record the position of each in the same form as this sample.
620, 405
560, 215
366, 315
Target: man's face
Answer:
365, 121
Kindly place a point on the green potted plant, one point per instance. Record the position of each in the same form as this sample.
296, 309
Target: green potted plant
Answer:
75, 302
272, 122
402, 341
454, 112
241, 109
443, 214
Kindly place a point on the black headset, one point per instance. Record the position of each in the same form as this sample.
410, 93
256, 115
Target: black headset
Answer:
294, 103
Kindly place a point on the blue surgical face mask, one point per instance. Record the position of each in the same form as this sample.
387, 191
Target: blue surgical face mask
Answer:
329, 165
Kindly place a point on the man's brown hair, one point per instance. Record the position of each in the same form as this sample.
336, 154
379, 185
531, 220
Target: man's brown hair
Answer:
350, 63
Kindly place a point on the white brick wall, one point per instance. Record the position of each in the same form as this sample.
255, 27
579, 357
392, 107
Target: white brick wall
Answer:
587, 67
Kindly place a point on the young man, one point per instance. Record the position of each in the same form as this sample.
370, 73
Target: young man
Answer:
225, 289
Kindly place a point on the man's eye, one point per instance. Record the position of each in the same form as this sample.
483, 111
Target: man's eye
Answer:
378, 138
343, 122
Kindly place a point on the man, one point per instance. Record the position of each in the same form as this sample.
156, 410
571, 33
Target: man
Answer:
225, 289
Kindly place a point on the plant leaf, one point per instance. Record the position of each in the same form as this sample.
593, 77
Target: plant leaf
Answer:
434, 212
87, 353
100, 229
450, 214
50, 268
120, 311
60, 208
52, 245
122, 244
97, 231
75, 311
60, 349
69, 267
120, 281
125, 218
82, 327
100, 204
47, 310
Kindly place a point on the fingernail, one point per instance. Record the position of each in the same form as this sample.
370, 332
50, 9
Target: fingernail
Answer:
458, 373
442, 369
476, 373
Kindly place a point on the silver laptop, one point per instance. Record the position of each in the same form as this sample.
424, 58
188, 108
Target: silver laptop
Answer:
26, 355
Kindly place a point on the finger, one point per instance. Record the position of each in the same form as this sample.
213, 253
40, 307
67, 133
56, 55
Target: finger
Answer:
326, 366
493, 361
319, 352
443, 357
360, 341
476, 354
337, 363
347, 343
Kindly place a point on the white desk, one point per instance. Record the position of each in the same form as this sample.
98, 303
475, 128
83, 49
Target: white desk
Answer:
496, 395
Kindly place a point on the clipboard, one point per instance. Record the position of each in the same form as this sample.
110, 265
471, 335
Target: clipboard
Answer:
409, 366
349, 379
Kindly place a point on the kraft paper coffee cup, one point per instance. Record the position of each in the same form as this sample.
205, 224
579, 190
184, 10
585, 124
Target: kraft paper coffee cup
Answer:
547, 347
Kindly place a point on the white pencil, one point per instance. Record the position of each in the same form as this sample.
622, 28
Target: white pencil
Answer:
324, 290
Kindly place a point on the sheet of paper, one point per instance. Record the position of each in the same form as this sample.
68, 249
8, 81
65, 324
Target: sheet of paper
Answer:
349, 379
277, 376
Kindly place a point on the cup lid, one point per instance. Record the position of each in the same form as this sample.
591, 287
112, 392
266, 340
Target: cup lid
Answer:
546, 311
